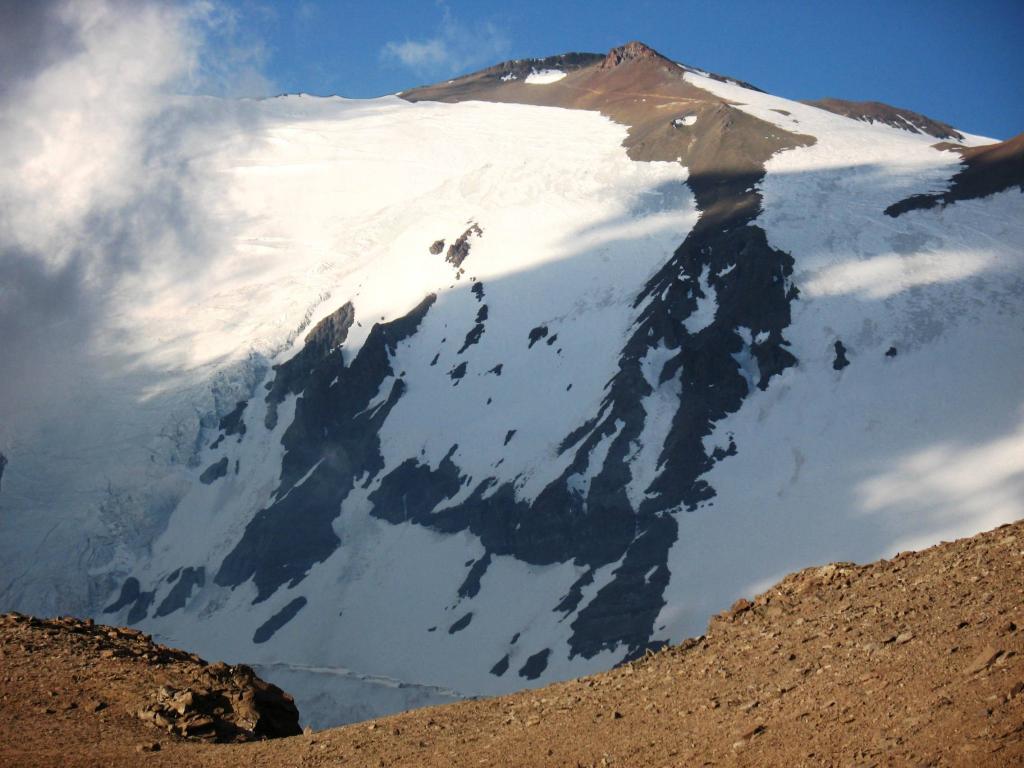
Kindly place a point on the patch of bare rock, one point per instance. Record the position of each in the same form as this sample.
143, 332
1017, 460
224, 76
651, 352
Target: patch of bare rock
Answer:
79, 693
913, 661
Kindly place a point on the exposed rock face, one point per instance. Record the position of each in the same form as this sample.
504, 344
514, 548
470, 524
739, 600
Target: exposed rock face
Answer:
987, 170
520, 69
629, 52
266, 630
232, 423
323, 341
215, 471
226, 704
841, 360
876, 111
332, 441
185, 581
459, 250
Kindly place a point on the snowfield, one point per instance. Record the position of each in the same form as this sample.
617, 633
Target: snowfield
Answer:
321, 201
544, 77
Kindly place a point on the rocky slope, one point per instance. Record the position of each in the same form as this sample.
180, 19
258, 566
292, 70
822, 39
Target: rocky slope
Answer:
987, 170
915, 660
72, 686
875, 111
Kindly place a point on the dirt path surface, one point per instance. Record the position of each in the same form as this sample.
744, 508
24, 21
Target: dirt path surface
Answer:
912, 661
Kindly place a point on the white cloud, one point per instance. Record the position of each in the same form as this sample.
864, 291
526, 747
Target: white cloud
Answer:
455, 48
231, 61
93, 184
419, 55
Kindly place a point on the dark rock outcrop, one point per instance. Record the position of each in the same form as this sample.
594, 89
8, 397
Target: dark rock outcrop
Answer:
535, 665
227, 704
536, 334
130, 590
332, 441
267, 629
877, 112
633, 51
232, 423
461, 624
323, 341
215, 471
841, 360
459, 250
500, 667
987, 170
187, 580
474, 334
471, 585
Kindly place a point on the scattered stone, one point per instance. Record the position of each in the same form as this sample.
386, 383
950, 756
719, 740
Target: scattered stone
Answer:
984, 660
755, 731
740, 606
459, 250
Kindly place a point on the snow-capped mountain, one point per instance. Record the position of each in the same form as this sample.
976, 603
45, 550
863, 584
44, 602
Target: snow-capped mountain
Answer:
507, 379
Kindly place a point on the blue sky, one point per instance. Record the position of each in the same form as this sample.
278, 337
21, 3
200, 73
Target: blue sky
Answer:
955, 61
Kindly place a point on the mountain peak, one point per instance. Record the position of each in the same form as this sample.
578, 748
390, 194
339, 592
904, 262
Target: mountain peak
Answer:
632, 51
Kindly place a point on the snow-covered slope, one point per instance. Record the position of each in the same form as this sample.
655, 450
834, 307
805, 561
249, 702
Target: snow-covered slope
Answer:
469, 396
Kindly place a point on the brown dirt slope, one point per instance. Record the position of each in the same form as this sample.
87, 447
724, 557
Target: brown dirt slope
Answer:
633, 85
725, 148
74, 692
914, 661
876, 111
987, 170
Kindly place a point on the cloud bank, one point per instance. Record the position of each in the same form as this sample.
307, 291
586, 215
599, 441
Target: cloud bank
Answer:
454, 48
94, 182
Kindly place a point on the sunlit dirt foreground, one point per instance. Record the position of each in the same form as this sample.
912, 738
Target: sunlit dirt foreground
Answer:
910, 661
